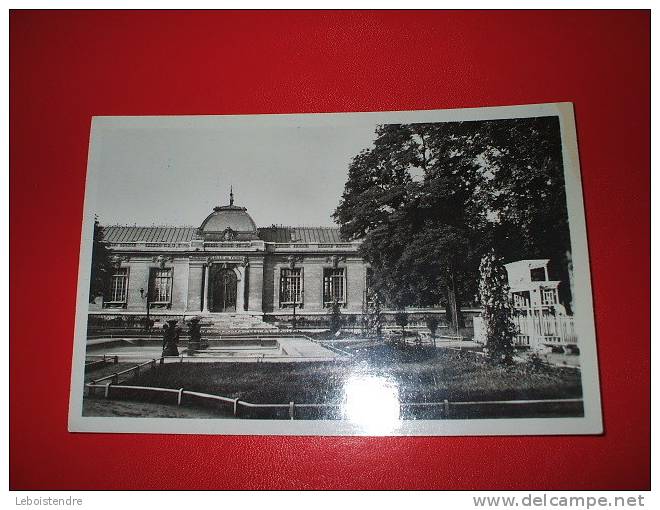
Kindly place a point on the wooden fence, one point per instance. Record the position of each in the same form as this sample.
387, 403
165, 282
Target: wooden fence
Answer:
289, 409
110, 387
114, 377
537, 331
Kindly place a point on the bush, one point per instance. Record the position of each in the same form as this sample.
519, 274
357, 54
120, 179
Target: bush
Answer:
497, 310
335, 318
401, 319
432, 323
535, 363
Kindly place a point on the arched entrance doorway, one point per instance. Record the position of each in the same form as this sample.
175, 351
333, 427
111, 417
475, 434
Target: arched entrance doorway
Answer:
223, 290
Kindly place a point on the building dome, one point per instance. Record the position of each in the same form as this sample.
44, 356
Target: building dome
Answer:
229, 216
229, 222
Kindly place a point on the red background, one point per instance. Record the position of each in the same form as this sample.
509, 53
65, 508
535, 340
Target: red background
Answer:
68, 66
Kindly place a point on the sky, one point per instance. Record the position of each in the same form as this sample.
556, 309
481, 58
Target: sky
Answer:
288, 175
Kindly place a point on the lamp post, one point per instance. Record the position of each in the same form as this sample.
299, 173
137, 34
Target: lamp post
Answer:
148, 324
295, 304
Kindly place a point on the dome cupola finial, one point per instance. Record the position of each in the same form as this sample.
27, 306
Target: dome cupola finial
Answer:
229, 222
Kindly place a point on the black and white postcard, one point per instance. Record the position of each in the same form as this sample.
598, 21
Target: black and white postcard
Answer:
386, 273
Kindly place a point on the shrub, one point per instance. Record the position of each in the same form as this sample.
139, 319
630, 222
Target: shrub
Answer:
432, 323
401, 319
375, 317
497, 311
335, 318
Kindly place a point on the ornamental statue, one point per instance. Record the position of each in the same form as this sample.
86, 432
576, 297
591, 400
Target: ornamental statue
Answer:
162, 260
171, 334
195, 341
335, 260
228, 234
293, 260
116, 260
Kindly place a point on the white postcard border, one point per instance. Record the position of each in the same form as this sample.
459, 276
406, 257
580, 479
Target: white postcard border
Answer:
591, 423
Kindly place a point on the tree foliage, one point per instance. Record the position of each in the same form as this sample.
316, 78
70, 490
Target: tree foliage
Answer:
101, 270
497, 312
428, 200
524, 197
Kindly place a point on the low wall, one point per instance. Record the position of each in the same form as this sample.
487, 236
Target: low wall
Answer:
416, 318
134, 323
129, 323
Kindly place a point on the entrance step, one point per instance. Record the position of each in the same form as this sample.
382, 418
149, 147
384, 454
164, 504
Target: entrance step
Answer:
234, 323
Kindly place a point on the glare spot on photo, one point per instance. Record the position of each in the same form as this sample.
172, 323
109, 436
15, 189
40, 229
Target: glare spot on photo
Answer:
372, 403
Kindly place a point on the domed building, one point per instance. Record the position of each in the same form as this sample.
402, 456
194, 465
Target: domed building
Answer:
230, 267
229, 223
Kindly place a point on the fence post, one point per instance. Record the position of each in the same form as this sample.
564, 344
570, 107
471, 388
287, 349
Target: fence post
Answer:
235, 407
445, 405
178, 400
533, 337
107, 390
291, 408
115, 378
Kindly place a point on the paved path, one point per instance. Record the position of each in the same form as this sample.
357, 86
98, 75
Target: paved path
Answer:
290, 350
461, 344
305, 348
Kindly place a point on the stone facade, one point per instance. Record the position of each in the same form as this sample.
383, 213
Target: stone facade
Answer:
229, 266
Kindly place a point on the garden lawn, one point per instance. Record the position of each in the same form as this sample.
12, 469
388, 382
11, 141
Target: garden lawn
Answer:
109, 368
129, 409
421, 375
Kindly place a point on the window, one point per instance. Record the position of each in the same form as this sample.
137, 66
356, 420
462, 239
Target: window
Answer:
334, 287
537, 274
521, 299
548, 297
291, 287
118, 286
161, 286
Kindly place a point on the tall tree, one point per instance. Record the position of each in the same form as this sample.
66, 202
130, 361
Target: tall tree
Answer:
429, 200
524, 195
101, 265
407, 198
